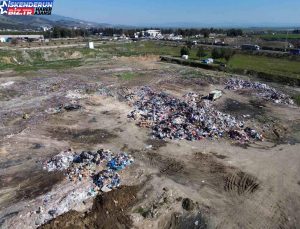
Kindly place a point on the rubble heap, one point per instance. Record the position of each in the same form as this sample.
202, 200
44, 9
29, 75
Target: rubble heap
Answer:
101, 166
263, 90
190, 118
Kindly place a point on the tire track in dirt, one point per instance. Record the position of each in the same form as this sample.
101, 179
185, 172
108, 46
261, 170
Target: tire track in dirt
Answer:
241, 183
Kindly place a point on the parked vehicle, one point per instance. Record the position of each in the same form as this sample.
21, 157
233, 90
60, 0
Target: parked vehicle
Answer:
208, 61
295, 51
250, 47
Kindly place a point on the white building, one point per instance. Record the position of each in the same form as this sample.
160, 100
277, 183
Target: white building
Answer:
153, 33
6, 38
2, 39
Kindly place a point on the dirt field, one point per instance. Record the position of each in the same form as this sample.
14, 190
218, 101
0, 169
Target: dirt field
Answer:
172, 184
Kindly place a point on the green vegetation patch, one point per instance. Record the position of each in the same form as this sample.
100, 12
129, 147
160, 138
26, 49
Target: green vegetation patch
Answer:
297, 99
128, 75
62, 64
266, 65
280, 36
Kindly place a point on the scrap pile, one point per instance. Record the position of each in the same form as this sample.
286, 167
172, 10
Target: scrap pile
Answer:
190, 119
263, 90
100, 166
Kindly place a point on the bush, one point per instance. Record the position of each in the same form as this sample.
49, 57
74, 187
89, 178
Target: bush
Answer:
228, 54
297, 99
201, 52
14, 41
216, 53
185, 51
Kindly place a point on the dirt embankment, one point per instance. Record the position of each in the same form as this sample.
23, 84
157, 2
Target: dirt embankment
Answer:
109, 211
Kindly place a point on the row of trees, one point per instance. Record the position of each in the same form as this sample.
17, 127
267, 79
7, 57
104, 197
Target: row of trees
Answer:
216, 53
296, 31
60, 32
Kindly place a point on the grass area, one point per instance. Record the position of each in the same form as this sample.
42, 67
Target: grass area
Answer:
297, 99
32, 60
265, 64
61, 64
127, 75
145, 48
280, 36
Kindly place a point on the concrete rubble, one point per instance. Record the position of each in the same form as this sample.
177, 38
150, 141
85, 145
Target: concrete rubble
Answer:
7, 84
100, 167
263, 90
88, 174
191, 118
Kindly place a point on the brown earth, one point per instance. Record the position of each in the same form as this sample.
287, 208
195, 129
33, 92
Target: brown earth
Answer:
231, 185
108, 211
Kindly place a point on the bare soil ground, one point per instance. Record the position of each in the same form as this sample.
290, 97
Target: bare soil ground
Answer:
228, 185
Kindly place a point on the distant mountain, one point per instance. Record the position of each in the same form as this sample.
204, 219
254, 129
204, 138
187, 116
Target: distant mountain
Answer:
34, 22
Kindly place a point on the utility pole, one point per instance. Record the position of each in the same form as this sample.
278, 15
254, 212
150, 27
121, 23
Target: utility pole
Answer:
286, 41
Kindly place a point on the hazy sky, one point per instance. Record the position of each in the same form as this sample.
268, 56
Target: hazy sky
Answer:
143, 12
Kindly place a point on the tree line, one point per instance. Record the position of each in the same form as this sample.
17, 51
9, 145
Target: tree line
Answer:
61, 32
216, 53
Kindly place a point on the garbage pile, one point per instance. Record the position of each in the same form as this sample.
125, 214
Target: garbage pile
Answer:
190, 118
263, 90
100, 166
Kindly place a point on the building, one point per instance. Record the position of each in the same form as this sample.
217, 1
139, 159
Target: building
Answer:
7, 38
153, 33
173, 37
46, 28
3, 39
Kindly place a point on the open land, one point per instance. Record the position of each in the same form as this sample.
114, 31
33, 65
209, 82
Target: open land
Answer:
211, 183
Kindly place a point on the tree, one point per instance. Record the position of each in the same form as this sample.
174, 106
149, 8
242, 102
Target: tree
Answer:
228, 54
234, 32
185, 51
201, 52
205, 33
216, 53
189, 44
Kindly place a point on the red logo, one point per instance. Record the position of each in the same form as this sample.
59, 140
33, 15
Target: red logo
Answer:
20, 11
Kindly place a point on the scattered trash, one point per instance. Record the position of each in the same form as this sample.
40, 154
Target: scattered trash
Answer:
72, 107
149, 147
185, 57
25, 116
100, 166
67, 107
76, 94
214, 95
7, 84
55, 110
263, 90
60, 162
190, 119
